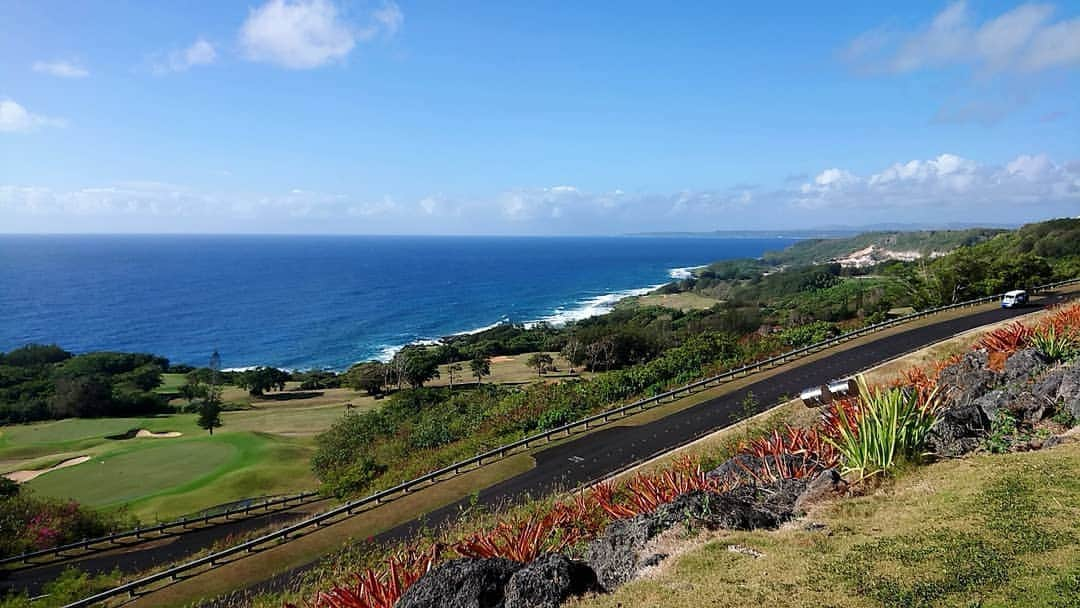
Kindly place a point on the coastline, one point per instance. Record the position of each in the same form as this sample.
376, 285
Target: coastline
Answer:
324, 303
582, 308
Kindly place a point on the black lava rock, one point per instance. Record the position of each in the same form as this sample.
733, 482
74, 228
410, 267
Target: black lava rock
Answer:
461, 583
1024, 365
548, 581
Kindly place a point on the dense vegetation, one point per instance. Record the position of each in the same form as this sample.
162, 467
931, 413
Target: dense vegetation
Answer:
44, 382
817, 251
28, 523
422, 428
984, 262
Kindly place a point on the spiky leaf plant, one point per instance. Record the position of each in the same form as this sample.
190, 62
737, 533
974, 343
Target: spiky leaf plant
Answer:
885, 428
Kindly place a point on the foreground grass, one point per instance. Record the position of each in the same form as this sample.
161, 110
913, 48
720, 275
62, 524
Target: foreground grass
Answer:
991, 531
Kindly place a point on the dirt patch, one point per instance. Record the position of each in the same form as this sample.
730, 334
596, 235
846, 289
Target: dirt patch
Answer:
501, 359
26, 475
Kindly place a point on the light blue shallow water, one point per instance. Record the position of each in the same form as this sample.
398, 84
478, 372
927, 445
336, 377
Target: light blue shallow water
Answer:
317, 301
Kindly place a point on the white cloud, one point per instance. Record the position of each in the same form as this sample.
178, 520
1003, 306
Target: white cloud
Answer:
385, 21
16, 119
304, 34
1022, 40
947, 180
201, 52
158, 200
576, 208
947, 187
61, 69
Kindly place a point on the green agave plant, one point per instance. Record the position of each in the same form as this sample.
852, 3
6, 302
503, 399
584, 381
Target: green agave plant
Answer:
888, 427
1055, 345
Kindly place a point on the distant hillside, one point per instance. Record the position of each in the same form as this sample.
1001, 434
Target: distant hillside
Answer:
871, 247
867, 275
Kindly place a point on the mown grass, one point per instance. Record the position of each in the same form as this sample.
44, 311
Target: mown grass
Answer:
684, 301
993, 531
171, 383
165, 478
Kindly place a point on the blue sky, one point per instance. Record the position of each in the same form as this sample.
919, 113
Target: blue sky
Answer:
516, 118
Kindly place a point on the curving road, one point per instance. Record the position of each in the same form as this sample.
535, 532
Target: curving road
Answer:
610, 450
571, 463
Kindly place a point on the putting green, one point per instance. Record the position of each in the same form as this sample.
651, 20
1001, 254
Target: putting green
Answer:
144, 470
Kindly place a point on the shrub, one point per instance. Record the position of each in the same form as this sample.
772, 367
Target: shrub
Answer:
525, 540
1007, 340
379, 589
795, 453
884, 428
643, 493
28, 522
1003, 433
1055, 344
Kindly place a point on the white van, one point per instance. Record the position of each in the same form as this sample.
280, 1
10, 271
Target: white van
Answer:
1014, 298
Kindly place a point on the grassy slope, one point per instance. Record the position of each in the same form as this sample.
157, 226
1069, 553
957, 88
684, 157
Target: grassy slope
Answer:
990, 531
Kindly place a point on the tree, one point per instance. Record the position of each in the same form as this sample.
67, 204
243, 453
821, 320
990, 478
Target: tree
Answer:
210, 410
369, 376
81, 396
600, 353
419, 364
193, 389
480, 366
146, 377
539, 361
262, 379
573, 352
453, 368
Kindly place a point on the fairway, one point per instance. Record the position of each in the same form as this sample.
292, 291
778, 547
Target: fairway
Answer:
143, 470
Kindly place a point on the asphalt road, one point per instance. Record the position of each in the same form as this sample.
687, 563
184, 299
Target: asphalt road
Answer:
570, 463
610, 450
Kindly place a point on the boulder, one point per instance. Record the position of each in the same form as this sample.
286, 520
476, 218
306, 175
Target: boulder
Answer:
1047, 386
992, 403
461, 583
548, 581
617, 555
1024, 365
1028, 408
825, 485
614, 555
958, 430
1068, 392
967, 379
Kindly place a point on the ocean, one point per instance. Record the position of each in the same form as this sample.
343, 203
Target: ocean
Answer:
303, 302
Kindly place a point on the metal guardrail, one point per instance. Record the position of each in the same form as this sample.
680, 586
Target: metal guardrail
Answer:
349, 508
140, 534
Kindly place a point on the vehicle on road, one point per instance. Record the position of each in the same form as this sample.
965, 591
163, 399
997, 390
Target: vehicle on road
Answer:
1014, 298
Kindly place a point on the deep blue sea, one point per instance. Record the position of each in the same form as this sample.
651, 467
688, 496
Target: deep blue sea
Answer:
300, 302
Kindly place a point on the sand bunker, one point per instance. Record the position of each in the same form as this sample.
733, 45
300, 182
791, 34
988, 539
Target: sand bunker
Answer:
133, 433
501, 359
25, 476
146, 433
